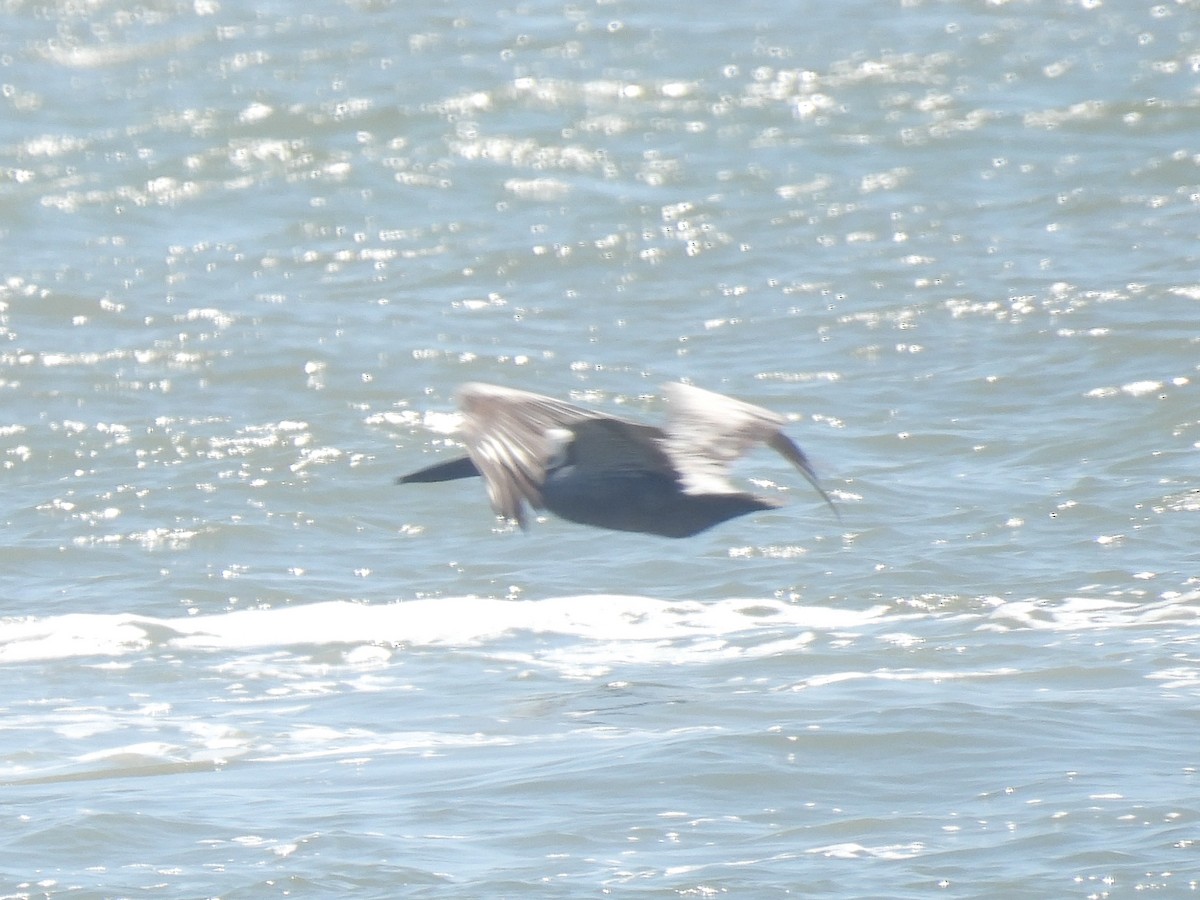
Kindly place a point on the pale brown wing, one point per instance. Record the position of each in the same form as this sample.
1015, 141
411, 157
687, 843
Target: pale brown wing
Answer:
510, 437
707, 431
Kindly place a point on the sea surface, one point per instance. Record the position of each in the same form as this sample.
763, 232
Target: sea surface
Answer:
249, 250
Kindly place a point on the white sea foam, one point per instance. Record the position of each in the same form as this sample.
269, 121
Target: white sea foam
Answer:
851, 850
461, 621
1086, 613
608, 628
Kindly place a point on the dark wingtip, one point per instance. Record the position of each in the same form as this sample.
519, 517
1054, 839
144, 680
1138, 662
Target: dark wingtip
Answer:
789, 450
837, 514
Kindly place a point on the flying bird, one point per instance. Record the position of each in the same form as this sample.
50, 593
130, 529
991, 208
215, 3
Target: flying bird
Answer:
600, 470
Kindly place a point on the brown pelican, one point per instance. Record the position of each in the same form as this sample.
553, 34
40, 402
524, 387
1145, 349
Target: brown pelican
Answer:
599, 470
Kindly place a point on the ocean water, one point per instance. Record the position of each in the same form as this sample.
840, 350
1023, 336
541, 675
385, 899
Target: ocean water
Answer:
250, 250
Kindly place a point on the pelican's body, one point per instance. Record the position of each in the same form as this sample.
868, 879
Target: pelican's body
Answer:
600, 470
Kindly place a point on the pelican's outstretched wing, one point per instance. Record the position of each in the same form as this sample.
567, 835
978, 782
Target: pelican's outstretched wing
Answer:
707, 431
511, 437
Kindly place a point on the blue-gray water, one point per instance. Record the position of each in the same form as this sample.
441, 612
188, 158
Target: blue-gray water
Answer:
248, 252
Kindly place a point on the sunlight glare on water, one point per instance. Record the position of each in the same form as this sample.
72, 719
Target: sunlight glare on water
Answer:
250, 253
